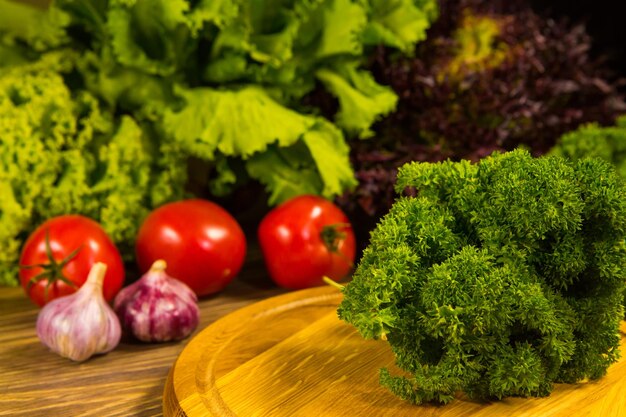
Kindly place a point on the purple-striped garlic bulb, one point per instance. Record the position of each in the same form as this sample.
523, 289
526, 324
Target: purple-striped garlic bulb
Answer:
82, 324
157, 308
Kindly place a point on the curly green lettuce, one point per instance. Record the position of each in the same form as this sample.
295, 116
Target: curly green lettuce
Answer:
498, 278
61, 152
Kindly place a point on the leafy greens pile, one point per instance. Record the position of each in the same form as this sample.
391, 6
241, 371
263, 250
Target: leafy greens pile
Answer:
498, 278
138, 88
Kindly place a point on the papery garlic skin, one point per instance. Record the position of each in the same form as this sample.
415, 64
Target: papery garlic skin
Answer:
158, 308
80, 325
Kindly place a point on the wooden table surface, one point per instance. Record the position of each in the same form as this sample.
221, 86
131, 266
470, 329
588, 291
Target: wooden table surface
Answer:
128, 381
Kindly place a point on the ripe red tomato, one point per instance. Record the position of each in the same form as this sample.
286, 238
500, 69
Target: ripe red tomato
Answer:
305, 239
59, 254
202, 243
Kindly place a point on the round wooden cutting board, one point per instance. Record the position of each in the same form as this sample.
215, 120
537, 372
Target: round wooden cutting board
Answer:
291, 356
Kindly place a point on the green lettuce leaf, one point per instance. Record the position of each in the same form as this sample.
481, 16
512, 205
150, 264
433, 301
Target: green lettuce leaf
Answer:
235, 123
151, 35
273, 28
122, 88
399, 23
332, 29
285, 172
90, 15
225, 179
259, 41
361, 100
330, 152
11, 55
41, 28
283, 43
217, 12
318, 164
289, 152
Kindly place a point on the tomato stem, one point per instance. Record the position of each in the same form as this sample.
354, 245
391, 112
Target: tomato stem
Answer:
53, 270
332, 236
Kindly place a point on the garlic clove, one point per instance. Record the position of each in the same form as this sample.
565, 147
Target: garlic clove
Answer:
158, 308
82, 324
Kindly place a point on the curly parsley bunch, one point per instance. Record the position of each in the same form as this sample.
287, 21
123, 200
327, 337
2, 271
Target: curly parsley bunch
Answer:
497, 279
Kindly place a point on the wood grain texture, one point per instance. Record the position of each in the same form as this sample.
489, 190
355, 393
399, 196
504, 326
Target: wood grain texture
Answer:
126, 382
291, 356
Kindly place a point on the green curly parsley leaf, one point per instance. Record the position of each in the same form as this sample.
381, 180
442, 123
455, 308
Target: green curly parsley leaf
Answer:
498, 278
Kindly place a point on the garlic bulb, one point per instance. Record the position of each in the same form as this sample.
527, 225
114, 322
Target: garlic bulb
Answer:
82, 324
157, 308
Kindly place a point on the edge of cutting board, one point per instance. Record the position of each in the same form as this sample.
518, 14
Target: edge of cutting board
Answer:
186, 395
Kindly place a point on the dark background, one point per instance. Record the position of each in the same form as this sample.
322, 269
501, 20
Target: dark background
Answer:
605, 21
